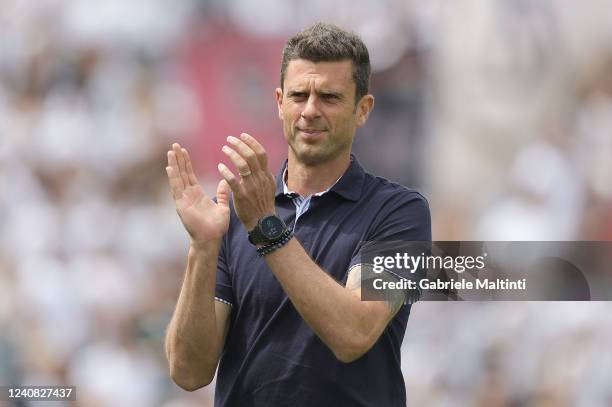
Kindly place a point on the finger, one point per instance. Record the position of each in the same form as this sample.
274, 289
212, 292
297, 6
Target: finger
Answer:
180, 158
176, 147
176, 175
190, 173
237, 160
223, 193
229, 177
172, 162
176, 183
245, 152
260, 152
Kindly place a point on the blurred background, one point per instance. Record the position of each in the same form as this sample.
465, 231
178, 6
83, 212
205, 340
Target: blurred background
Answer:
500, 112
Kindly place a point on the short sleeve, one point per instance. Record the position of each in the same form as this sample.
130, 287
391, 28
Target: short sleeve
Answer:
223, 290
403, 225
406, 218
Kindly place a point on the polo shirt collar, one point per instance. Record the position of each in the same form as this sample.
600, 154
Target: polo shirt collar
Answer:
349, 185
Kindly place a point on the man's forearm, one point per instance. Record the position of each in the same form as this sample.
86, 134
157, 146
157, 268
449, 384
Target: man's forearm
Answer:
192, 341
337, 316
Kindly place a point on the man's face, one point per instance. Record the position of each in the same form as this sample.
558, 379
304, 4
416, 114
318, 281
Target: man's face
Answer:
318, 110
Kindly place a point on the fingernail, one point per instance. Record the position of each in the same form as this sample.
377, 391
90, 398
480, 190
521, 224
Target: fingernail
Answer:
231, 138
244, 136
225, 149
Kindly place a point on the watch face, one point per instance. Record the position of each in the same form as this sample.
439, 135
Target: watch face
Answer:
272, 227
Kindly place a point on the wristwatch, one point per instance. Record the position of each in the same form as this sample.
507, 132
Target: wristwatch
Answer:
269, 229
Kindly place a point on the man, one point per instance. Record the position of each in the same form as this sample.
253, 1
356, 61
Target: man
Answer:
272, 290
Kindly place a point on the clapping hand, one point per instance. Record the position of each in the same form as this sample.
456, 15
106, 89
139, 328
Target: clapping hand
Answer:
254, 190
205, 220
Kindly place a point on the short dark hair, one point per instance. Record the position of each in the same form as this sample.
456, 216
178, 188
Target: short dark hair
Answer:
324, 42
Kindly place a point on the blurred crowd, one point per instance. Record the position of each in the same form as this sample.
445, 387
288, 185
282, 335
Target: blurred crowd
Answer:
500, 112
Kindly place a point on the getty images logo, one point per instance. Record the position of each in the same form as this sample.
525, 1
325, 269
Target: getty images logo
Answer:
410, 263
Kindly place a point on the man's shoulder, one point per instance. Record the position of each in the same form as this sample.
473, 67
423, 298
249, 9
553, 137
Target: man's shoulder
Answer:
402, 213
382, 189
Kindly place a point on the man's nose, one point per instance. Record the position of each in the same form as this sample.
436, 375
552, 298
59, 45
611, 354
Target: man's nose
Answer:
311, 109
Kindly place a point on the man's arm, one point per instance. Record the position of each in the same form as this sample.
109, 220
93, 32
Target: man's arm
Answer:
197, 331
347, 325
198, 328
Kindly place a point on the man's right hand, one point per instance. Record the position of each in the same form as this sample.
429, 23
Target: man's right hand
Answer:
205, 220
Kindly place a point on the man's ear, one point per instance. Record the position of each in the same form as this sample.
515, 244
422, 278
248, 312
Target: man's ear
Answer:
278, 93
364, 107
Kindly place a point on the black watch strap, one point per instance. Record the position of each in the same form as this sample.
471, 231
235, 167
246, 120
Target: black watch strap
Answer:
283, 240
256, 237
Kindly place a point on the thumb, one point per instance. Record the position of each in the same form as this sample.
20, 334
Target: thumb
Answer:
223, 193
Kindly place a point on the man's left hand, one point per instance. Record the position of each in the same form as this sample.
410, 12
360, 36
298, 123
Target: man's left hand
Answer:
255, 187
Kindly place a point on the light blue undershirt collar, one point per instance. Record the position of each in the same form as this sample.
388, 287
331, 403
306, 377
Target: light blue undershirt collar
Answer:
301, 203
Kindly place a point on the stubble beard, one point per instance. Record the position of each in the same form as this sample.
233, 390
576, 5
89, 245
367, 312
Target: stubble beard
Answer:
320, 154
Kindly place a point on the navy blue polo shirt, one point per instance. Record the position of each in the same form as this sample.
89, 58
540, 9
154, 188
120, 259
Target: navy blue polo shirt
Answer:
271, 356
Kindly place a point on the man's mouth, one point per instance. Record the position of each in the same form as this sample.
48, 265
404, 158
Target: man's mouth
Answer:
311, 132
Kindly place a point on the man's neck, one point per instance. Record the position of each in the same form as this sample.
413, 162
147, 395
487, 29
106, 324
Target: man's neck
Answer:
307, 180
